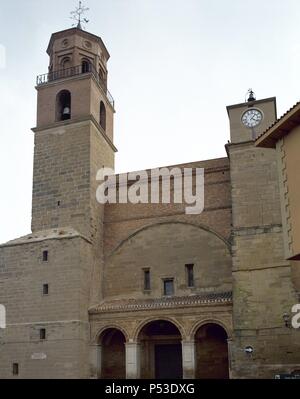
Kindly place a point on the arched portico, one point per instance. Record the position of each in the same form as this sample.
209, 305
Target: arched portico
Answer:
111, 354
160, 345
211, 352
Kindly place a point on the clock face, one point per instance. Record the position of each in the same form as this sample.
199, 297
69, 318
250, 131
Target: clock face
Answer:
251, 118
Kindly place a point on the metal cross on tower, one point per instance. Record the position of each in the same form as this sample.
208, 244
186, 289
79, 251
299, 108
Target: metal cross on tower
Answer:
77, 16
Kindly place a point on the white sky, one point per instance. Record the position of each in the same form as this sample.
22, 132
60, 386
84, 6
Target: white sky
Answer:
174, 67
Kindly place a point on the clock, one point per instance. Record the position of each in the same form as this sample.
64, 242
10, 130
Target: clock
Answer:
252, 118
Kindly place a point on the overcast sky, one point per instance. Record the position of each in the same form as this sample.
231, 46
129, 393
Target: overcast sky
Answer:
174, 67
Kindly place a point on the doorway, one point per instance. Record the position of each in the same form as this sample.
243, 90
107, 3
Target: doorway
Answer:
168, 361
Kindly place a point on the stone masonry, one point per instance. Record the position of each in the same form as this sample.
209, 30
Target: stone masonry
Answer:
78, 301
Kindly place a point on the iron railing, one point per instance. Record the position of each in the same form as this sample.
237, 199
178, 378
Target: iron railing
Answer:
74, 71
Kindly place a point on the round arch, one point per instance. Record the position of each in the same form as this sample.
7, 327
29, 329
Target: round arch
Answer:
204, 322
63, 105
160, 345
113, 354
97, 337
144, 323
86, 65
211, 350
65, 63
147, 227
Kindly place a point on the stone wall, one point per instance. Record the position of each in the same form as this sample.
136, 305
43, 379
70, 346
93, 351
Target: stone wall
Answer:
263, 288
63, 312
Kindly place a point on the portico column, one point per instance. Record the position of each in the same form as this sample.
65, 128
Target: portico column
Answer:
230, 344
132, 360
95, 361
188, 359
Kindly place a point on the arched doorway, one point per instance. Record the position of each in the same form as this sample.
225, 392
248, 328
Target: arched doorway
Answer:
160, 350
211, 352
112, 343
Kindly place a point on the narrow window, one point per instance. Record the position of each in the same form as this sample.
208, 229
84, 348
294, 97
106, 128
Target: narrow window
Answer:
190, 275
102, 116
15, 368
168, 287
147, 282
42, 334
46, 289
45, 256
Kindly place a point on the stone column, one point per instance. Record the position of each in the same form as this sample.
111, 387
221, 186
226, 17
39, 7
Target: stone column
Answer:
95, 361
188, 359
230, 344
132, 360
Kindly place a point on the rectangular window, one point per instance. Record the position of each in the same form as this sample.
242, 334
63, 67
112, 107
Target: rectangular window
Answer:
42, 334
168, 287
147, 281
45, 256
190, 275
45, 289
15, 369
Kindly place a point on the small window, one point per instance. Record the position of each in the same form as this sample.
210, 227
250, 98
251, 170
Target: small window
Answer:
190, 275
45, 256
169, 287
46, 289
42, 334
147, 282
15, 368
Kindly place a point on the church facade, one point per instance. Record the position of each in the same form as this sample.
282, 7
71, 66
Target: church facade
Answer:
144, 290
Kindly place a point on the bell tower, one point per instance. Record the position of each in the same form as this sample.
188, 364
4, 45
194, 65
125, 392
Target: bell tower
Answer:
74, 134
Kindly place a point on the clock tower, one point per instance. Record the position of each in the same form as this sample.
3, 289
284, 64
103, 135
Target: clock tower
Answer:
258, 255
250, 119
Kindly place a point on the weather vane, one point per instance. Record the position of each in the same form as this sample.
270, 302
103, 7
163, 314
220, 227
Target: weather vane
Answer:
77, 16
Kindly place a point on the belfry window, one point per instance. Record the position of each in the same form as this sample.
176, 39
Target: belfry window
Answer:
102, 116
86, 66
63, 105
66, 63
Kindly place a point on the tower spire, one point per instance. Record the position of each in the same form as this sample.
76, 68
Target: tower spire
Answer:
77, 16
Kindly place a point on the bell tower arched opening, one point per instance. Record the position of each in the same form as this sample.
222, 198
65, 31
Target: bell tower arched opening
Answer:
63, 106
